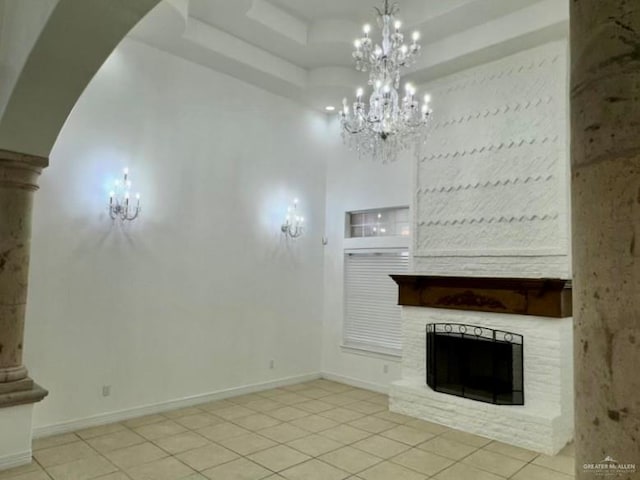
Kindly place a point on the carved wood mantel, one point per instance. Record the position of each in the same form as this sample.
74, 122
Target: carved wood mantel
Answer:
543, 297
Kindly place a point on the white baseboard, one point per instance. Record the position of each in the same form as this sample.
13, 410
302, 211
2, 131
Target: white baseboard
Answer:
15, 460
121, 415
354, 382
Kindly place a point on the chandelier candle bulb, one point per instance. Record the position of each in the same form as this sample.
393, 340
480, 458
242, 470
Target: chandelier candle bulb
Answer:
410, 90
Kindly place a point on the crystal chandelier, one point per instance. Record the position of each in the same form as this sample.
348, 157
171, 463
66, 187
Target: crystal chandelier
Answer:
389, 124
293, 225
120, 204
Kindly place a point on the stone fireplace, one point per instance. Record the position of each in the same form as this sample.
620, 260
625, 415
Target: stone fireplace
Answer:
490, 246
538, 312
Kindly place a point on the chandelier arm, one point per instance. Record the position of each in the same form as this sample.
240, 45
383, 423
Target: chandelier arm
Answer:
351, 130
379, 122
134, 216
294, 232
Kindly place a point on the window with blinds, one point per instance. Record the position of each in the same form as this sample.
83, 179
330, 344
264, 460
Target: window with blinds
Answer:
372, 314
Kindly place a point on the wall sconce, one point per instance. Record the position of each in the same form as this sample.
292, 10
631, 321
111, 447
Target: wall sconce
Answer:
120, 205
293, 224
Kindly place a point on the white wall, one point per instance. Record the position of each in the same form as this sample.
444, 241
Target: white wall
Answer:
199, 293
355, 184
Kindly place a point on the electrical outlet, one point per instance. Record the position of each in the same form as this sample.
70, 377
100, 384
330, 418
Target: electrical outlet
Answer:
385, 368
272, 364
106, 390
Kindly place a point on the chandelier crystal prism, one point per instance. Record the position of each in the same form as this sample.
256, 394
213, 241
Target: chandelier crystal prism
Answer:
389, 124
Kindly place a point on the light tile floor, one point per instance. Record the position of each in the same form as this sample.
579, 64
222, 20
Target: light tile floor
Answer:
319, 430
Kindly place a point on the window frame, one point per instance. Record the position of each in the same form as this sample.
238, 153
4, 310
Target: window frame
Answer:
395, 211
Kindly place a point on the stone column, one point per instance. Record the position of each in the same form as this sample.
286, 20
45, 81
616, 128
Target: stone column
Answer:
18, 181
605, 161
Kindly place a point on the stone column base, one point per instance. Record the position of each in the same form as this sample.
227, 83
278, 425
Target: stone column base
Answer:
21, 392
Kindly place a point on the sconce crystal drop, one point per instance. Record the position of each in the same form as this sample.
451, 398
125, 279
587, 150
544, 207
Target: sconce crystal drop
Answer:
120, 203
293, 223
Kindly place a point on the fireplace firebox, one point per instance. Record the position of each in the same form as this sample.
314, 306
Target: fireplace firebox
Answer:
475, 362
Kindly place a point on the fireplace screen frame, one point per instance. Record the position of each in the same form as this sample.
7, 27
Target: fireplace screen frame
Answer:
497, 340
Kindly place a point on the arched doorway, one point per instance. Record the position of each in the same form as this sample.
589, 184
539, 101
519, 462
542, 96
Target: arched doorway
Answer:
52, 49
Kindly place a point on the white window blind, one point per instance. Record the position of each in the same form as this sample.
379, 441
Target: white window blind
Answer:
372, 314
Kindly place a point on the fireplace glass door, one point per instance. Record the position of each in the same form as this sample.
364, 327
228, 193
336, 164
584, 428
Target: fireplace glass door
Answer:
474, 362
